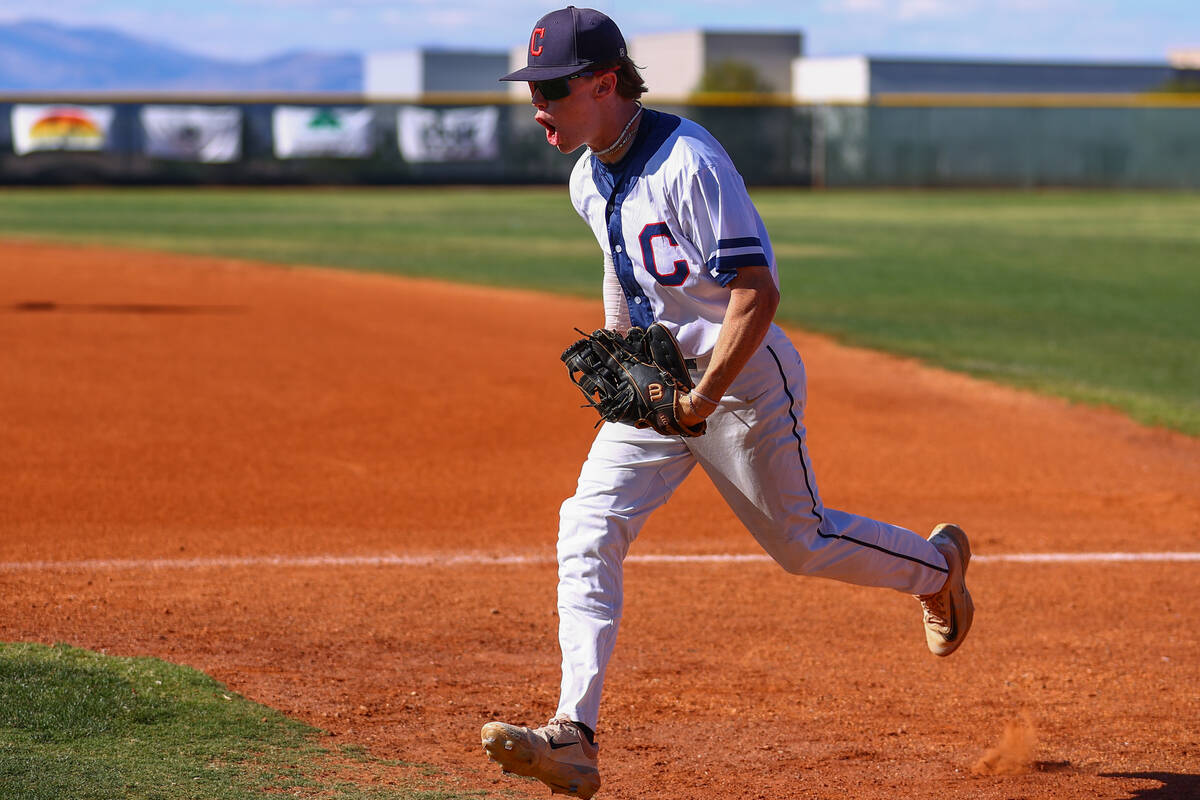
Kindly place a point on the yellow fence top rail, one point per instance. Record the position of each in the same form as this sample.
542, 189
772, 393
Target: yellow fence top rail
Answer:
1049, 100
712, 99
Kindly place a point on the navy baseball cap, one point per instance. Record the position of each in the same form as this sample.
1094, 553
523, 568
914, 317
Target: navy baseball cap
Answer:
568, 41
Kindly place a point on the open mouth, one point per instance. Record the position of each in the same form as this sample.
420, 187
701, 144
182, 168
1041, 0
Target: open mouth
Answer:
551, 130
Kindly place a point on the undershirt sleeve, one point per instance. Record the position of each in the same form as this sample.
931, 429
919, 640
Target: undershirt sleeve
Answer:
616, 311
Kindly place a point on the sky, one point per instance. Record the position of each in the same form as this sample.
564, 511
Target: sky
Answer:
248, 30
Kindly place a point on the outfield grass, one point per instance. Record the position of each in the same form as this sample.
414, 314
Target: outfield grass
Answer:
80, 725
1090, 296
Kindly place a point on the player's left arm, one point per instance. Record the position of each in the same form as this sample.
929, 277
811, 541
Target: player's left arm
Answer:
752, 303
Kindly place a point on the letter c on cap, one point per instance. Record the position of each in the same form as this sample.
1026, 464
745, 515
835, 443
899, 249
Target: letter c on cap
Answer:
535, 41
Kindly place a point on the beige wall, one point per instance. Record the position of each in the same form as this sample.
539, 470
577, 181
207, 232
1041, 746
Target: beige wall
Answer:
1185, 58
831, 80
518, 57
398, 74
671, 63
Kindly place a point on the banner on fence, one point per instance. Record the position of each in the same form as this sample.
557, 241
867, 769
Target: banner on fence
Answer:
456, 134
60, 127
211, 134
316, 132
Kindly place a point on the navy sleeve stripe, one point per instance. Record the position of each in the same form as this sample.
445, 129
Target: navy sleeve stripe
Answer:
745, 241
725, 278
734, 263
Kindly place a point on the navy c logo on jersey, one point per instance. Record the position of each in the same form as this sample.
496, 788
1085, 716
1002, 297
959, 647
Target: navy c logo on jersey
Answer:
646, 238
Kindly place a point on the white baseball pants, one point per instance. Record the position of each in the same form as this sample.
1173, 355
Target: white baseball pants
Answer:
755, 454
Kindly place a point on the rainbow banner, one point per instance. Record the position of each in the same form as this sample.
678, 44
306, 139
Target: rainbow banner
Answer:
61, 127
210, 134
457, 134
316, 132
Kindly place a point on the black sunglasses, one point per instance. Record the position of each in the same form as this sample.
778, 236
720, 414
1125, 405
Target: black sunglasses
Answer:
558, 88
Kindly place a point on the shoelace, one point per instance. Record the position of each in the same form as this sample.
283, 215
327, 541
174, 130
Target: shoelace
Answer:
558, 725
934, 610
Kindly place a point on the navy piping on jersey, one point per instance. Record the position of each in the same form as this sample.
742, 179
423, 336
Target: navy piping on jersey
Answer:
725, 268
615, 182
744, 241
816, 510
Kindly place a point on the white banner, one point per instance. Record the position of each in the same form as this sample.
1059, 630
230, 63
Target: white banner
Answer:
456, 134
61, 127
212, 134
310, 132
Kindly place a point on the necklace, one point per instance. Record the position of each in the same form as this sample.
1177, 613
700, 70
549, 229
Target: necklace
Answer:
624, 137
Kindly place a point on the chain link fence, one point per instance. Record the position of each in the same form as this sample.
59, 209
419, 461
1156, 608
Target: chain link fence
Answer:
926, 145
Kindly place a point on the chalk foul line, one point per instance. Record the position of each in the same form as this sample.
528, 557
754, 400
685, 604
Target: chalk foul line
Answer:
484, 560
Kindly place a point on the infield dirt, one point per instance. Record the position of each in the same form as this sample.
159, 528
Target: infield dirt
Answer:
162, 407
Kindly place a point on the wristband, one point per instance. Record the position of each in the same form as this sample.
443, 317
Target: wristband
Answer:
702, 397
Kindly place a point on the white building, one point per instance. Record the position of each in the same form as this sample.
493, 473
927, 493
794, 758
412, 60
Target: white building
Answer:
1185, 58
411, 74
859, 79
673, 64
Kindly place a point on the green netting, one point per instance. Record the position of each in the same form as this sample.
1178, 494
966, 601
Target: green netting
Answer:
1024, 147
851, 146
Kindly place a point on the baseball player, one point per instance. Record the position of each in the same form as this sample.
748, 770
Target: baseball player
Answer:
684, 246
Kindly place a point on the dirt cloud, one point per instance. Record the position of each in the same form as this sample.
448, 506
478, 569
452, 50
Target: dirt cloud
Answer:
1014, 754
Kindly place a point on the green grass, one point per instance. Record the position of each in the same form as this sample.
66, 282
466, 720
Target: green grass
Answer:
1093, 297
1090, 296
524, 238
80, 725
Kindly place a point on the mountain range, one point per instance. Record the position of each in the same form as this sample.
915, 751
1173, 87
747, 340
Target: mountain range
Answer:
44, 56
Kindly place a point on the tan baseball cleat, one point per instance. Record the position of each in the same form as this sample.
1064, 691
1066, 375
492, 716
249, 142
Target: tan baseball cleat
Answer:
557, 754
948, 613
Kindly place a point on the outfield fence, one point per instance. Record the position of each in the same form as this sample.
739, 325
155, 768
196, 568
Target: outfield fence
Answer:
1102, 141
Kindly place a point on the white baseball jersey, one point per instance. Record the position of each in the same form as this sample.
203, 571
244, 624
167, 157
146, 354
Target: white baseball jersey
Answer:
676, 223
